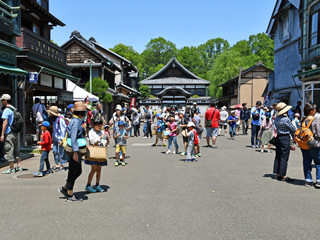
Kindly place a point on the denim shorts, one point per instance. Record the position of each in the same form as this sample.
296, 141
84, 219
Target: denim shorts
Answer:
212, 132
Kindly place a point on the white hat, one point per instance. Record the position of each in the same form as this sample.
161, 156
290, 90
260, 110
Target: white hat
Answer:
190, 124
233, 111
119, 108
194, 103
5, 97
59, 110
224, 108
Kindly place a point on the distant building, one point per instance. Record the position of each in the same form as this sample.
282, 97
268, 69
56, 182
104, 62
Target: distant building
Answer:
253, 82
175, 86
284, 28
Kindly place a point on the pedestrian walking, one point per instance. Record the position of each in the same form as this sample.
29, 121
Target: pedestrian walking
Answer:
285, 129
46, 148
75, 131
173, 127
193, 140
198, 127
135, 122
160, 128
148, 116
232, 121
96, 138
10, 137
256, 113
39, 112
223, 125
98, 112
296, 121
121, 135
313, 153
237, 114
1, 143
244, 118
266, 132
184, 120
107, 134
60, 125
212, 115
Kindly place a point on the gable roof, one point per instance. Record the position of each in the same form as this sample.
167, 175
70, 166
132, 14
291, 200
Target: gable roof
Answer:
75, 35
258, 65
295, 3
174, 88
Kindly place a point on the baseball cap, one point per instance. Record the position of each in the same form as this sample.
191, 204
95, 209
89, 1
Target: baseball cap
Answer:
194, 103
106, 126
190, 124
45, 123
119, 108
5, 97
120, 123
70, 106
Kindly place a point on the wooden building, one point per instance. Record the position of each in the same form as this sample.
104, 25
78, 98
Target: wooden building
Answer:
253, 82
175, 86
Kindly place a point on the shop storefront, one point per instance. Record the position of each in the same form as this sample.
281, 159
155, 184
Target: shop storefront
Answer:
311, 92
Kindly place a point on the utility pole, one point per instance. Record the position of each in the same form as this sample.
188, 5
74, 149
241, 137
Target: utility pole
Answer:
239, 82
91, 62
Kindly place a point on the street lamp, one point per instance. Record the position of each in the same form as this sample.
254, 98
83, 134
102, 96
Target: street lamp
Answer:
91, 62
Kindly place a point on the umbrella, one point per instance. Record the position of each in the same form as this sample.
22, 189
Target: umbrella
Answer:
239, 106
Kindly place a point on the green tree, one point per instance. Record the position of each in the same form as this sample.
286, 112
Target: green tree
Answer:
128, 53
145, 91
99, 88
190, 58
157, 51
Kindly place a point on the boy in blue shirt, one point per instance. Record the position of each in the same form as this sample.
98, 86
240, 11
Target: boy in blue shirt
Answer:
160, 129
232, 120
120, 135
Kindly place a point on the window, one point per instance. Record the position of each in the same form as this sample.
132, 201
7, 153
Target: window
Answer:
314, 25
285, 27
156, 91
36, 29
95, 72
201, 91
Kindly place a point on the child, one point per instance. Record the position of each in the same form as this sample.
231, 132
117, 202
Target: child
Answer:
173, 127
267, 132
160, 128
107, 134
46, 148
193, 140
232, 120
296, 121
120, 135
96, 138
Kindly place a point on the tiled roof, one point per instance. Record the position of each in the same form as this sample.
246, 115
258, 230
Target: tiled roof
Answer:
174, 80
172, 88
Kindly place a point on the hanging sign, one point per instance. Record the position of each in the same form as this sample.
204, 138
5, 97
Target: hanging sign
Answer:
32, 77
133, 103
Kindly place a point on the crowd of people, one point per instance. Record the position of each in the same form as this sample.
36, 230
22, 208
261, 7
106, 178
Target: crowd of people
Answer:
277, 125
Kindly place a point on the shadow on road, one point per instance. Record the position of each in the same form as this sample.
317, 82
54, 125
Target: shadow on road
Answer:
297, 182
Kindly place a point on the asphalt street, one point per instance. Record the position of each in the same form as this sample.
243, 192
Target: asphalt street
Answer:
230, 193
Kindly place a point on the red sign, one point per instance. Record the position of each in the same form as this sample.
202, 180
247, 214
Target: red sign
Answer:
133, 103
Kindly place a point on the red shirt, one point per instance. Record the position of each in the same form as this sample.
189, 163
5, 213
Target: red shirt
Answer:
89, 116
46, 141
215, 118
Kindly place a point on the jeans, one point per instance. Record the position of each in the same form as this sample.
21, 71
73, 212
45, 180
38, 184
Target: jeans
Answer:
232, 131
282, 155
245, 126
44, 158
149, 133
74, 172
136, 130
254, 134
174, 139
308, 156
59, 154
145, 128
130, 131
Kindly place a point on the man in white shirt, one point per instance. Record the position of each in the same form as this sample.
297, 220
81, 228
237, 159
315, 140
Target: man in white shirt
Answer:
37, 111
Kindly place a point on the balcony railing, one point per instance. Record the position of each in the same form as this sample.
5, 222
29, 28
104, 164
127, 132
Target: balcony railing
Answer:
40, 46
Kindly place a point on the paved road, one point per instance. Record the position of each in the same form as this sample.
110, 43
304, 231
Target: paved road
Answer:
229, 193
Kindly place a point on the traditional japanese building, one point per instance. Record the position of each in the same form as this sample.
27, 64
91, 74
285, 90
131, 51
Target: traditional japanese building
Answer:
175, 86
245, 88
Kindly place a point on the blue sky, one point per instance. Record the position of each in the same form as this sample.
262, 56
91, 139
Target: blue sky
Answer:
185, 23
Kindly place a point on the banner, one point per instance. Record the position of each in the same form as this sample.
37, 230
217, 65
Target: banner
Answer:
32, 77
133, 103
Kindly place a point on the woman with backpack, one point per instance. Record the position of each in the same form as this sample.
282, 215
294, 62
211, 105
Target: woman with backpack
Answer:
284, 128
313, 151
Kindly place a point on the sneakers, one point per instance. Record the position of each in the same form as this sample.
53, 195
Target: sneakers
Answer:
168, 152
61, 169
232, 138
183, 153
145, 137
64, 192
177, 151
254, 146
198, 155
54, 168
164, 145
49, 171
116, 163
38, 174
308, 184
90, 189
317, 185
123, 163
154, 145
261, 150
99, 189
193, 160
19, 169
74, 199
174, 152
9, 171
269, 151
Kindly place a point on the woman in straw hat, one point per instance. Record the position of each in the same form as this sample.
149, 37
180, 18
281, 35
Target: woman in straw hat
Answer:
75, 131
284, 128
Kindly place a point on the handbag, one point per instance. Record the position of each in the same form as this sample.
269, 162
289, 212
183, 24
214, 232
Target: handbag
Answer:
209, 121
184, 133
154, 132
96, 154
273, 141
82, 143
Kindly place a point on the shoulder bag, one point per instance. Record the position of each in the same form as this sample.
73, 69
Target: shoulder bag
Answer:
209, 121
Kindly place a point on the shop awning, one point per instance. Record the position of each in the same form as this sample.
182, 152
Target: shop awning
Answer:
5, 69
56, 73
308, 73
79, 94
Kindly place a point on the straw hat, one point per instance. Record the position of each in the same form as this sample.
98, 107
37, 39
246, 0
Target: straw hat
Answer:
89, 107
80, 106
283, 108
54, 111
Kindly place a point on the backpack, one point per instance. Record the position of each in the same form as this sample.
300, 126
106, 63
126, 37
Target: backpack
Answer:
196, 139
304, 135
256, 116
148, 115
17, 123
65, 120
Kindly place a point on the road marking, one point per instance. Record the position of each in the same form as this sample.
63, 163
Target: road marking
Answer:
142, 144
